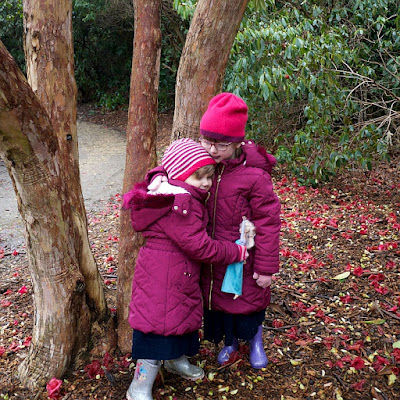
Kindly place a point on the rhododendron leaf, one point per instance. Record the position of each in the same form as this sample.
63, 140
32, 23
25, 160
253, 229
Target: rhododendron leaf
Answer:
392, 379
344, 275
375, 322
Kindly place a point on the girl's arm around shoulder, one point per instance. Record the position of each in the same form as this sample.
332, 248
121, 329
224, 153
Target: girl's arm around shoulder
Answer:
185, 227
266, 208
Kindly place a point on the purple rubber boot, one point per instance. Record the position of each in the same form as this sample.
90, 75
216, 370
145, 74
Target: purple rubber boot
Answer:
226, 352
258, 358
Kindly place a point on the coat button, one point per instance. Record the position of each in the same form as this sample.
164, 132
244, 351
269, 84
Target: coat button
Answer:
175, 207
184, 211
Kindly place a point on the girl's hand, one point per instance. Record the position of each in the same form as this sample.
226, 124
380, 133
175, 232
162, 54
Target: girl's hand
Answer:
262, 280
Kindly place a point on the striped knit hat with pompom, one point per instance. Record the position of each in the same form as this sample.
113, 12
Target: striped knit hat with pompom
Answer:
183, 157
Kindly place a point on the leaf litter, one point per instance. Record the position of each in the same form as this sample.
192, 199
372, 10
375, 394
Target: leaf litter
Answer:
332, 330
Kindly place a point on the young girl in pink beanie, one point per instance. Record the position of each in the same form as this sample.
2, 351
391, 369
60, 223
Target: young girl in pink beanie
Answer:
166, 304
242, 187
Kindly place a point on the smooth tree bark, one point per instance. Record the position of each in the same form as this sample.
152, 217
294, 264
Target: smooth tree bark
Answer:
203, 61
141, 145
31, 154
49, 55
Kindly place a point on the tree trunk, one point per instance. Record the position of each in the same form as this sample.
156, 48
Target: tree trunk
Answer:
140, 151
39, 147
49, 55
203, 61
28, 148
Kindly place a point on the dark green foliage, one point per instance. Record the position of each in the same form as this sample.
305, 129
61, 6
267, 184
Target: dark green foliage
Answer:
103, 36
321, 80
103, 45
11, 29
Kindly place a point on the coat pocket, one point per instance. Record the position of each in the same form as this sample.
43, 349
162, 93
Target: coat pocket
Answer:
184, 278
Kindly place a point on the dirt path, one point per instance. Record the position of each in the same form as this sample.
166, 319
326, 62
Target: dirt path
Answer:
102, 164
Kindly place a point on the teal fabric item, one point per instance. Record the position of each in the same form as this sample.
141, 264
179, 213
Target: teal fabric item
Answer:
233, 279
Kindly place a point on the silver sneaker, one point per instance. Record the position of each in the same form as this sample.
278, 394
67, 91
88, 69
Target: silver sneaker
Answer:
182, 367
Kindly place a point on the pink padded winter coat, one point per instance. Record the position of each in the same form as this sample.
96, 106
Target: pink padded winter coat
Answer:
166, 297
243, 187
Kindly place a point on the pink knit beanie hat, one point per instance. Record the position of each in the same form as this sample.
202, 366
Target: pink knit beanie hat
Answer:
183, 157
225, 118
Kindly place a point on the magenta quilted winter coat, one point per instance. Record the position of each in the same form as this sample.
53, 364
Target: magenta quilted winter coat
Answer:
166, 297
243, 187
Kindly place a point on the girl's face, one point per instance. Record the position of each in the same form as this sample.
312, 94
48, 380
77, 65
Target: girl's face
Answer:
220, 151
203, 181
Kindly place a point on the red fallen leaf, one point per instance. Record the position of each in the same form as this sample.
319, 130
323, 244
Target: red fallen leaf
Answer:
358, 385
93, 369
346, 299
235, 356
5, 303
13, 347
110, 270
2, 350
278, 341
206, 352
124, 362
396, 355
277, 323
358, 271
329, 364
356, 346
346, 359
303, 342
379, 363
27, 342
15, 274
54, 388
110, 258
396, 371
23, 290
376, 277
358, 363
348, 267
15, 253
339, 364
390, 265
7, 292
108, 360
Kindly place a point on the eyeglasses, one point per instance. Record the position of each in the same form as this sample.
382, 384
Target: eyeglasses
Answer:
219, 146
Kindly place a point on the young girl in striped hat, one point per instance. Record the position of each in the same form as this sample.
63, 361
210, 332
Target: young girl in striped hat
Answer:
166, 307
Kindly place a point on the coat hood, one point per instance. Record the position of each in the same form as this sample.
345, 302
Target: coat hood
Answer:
257, 156
140, 203
146, 209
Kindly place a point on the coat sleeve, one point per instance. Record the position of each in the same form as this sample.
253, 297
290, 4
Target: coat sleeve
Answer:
186, 229
266, 208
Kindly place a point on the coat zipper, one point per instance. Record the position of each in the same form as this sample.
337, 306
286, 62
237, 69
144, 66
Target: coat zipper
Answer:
213, 233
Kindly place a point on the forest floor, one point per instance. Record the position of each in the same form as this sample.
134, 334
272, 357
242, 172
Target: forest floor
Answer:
332, 330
